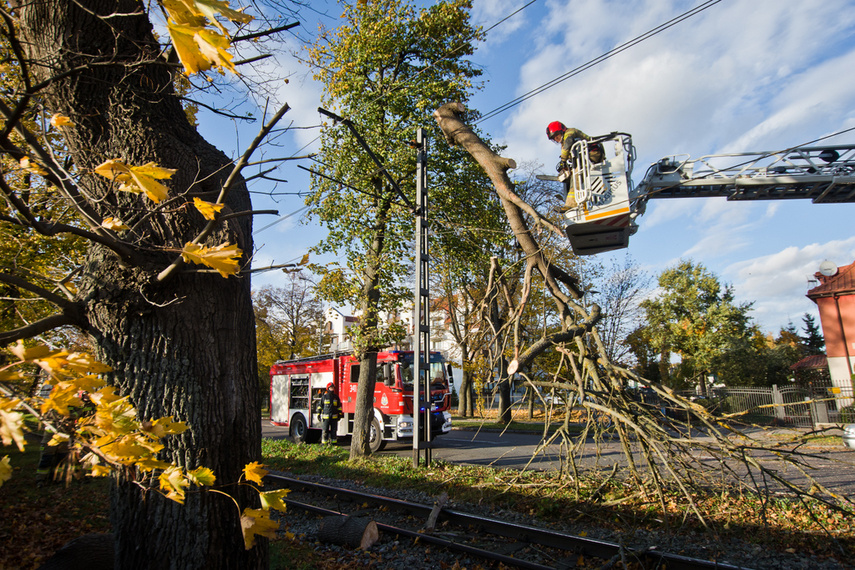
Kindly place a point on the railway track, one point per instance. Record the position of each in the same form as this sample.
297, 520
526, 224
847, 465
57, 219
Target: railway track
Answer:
500, 542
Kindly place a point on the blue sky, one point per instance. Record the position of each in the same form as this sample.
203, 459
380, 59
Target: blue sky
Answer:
741, 75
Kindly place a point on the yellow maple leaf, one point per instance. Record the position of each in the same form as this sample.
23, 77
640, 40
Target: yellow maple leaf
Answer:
180, 13
273, 499
208, 209
137, 179
58, 439
197, 12
117, 416
114, 224
58, 120
11, 423
5, 470
33, 167
150, 464
125, 451
100, 471
254, 472
63, 396
104, 396
162, 427
33, 353
173, 481
224, 257
256, 522
201, 476
199, 48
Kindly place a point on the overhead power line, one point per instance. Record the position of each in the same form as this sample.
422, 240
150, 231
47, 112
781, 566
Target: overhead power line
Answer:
611, 53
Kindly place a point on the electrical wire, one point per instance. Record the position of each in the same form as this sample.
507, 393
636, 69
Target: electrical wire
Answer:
597, 60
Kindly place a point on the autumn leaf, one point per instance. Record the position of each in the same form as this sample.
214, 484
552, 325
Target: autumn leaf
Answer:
104, 396
305, 260
224, 257
100, 471
5, 470
208, 210
199, 48
117, 417
11, 423
257, 522
273, 499
137, 179
201, 476
58, 120
25, 354
33, 167
63, 396
114, 224
254, 472
174, 483
162, 427
150, 464
197, 12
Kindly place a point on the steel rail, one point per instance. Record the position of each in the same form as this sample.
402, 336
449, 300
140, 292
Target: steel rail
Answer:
485, 554
526, 533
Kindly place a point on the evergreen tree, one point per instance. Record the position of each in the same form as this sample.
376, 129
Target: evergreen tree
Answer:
813, 340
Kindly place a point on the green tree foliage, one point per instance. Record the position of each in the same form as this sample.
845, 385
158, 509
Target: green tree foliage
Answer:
383, 70
695, 317
812, 340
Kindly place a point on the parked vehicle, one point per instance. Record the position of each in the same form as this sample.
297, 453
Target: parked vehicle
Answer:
297, 385
849, 436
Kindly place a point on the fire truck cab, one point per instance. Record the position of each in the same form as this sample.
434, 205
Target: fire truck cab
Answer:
296, 387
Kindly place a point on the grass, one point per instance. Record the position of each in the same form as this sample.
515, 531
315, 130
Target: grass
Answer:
35, 520
591, 499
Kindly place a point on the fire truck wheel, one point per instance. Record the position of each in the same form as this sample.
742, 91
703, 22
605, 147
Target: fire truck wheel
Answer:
299, 430
375, 437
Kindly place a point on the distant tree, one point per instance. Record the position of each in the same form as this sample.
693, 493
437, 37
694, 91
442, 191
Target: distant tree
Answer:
382, 69
812, 340
695, 317
288, 323
621, 291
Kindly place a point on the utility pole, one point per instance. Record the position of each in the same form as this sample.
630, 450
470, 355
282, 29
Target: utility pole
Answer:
421, 307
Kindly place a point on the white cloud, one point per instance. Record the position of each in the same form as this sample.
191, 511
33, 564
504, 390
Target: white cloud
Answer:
777, 283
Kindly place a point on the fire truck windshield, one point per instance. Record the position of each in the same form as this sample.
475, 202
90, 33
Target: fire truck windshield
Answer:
437, 370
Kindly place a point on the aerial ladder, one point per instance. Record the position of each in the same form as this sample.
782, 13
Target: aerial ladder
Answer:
608, 205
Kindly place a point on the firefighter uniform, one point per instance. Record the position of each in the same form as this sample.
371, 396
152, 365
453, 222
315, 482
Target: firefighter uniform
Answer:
330, 410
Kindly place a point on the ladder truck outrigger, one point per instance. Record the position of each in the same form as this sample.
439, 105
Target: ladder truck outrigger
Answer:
608, 205
296, 387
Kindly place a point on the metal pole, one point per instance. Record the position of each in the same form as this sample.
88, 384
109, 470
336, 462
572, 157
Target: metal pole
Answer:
421, 309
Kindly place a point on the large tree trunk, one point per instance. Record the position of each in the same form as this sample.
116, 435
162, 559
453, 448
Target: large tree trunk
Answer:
184, 347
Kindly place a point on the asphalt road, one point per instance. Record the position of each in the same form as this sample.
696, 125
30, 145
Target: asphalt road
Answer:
833, 467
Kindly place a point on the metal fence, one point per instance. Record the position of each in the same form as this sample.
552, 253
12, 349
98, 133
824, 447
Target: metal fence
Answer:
787, 405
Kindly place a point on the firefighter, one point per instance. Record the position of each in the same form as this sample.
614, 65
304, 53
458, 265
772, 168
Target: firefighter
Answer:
330, 410
560, 134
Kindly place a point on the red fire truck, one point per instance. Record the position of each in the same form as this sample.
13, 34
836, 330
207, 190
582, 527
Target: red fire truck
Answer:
297, 385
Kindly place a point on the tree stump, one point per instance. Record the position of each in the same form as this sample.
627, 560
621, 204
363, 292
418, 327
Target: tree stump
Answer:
358, 532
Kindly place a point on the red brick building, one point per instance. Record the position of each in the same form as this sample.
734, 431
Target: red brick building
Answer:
835, 299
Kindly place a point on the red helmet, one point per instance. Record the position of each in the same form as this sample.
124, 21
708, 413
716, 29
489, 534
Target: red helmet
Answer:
330, 386
554, 128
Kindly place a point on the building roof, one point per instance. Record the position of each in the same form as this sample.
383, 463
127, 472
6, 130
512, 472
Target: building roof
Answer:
842, 282
810, 362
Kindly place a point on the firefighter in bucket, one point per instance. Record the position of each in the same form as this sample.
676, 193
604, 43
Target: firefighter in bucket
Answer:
329, 407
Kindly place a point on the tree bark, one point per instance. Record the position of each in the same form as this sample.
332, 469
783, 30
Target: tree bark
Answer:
184, 347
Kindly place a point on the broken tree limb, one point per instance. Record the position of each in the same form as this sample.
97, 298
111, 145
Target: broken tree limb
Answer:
357, 532
434, 514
